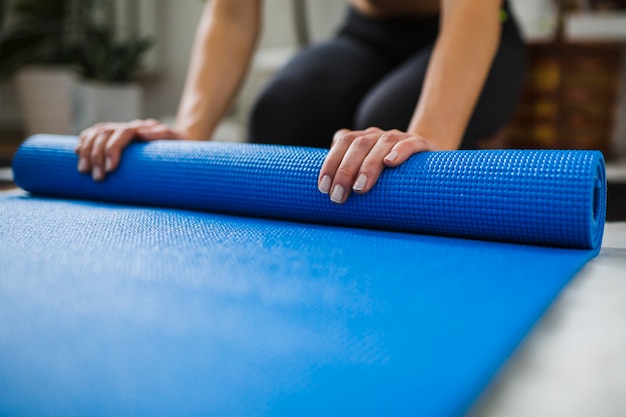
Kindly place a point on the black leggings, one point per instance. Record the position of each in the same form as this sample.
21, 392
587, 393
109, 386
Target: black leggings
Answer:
371, 74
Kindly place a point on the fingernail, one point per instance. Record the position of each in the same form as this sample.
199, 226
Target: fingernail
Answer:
82, 165
97, 173
325, 184
360, 182
391, 156
108, 165
337, 195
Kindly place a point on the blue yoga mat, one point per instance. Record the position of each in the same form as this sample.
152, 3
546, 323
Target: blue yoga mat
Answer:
214, 279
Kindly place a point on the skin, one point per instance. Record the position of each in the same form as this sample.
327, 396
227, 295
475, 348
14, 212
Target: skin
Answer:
225, 41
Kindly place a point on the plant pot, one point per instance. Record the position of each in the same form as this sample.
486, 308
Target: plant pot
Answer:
44, 94
96, 102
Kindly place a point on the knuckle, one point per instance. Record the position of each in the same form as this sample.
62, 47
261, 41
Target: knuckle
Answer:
110, 147
346, 139
361, 142
413, 142
344, 172
95, 152
416, 139
86, 143
370, 164
103, 126
338, 134
330, 163
388, 138
87, 133
99, 130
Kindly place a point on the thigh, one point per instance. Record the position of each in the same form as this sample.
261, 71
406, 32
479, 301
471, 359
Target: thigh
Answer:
500, 93
391, 102
315, 94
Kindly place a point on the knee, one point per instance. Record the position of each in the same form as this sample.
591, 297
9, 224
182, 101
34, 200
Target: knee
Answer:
268, 110
384, 113
500, 94
367, 115
285, 113
292, 112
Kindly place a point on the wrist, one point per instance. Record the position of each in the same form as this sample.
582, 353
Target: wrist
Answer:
444, 136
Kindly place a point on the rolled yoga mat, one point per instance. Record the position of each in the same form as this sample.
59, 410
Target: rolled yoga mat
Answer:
226, 284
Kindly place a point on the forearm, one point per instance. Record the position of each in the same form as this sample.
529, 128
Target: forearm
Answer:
224, 44
457, 71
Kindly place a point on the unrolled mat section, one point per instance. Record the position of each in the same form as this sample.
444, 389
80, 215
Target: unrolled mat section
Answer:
234, 308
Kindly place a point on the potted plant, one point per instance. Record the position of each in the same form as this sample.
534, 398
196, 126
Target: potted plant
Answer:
35, 48
108, 89
72, 68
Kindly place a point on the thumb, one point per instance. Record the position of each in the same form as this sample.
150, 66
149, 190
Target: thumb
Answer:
158, 132
406, 148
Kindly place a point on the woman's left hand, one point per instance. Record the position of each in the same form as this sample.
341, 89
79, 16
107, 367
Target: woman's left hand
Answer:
357, 157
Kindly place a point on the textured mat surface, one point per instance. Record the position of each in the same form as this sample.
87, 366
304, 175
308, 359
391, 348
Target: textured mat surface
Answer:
126, 309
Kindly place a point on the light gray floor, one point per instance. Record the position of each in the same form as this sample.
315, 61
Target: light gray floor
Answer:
6, 174
573, 364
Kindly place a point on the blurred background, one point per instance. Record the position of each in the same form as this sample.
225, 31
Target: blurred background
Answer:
66, 64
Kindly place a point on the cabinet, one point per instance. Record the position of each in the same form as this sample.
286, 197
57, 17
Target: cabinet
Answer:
572, 94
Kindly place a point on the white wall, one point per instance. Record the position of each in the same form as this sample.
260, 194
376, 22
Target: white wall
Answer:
173, 23
10, 116
177, 21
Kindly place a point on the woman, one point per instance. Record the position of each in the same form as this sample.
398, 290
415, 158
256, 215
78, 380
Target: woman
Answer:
399, 78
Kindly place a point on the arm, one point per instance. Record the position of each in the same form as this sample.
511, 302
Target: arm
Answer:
224, 44
457, 71
459, 65
223, 47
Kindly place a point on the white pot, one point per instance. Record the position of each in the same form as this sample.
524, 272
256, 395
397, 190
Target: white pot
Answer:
538, 18
45, 99
96, 102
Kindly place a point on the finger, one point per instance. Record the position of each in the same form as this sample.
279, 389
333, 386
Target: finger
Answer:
373, 164
87, 140
79, 145
118, 140
345, 175
97, 155
341, 142
82, 138
404, 149
338, 134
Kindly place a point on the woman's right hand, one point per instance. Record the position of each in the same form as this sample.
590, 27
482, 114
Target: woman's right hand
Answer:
100, 147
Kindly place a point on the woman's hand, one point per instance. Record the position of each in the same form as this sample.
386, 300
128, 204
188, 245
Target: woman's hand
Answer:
357, 157
100, 146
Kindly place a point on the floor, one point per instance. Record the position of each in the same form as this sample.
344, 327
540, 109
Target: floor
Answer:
574, 362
